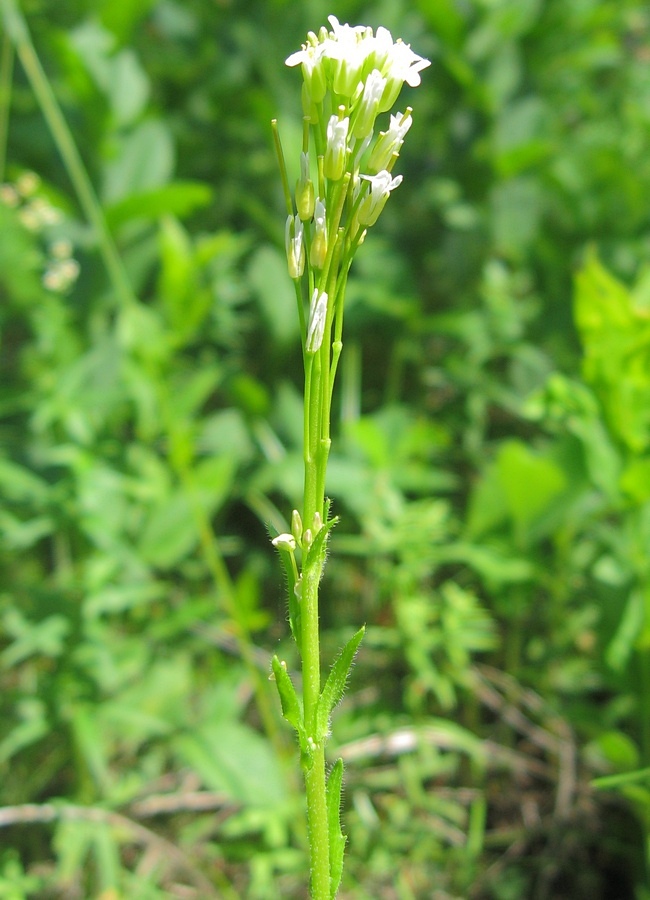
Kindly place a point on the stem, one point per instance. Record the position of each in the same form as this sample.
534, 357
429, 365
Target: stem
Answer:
6, 70
315, 783
314, 501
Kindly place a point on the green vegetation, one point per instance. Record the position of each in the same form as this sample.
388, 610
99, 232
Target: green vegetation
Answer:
490, 459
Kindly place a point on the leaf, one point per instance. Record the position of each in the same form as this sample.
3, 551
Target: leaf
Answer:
288, 697
230, 756
530, 482
143, 160
607, 782
180, 198
295, 610
615, 334
630, 627
267, 275
335, 685
317, 548
293, 585
337, 839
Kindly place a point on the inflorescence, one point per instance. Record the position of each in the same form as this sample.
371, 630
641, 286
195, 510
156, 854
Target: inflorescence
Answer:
351, 75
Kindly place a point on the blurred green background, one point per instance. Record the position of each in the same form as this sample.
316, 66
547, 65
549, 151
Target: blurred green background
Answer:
491, 462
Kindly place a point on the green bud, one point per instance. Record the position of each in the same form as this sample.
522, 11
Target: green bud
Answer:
305, 197
296, 526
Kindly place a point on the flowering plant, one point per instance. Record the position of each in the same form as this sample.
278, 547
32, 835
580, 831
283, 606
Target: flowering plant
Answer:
351, 75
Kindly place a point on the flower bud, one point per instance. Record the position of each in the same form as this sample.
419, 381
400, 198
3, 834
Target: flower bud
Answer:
305, 190
368, 105
318, 251
336, 150
284, 542
316, 326
296, 526
294, 234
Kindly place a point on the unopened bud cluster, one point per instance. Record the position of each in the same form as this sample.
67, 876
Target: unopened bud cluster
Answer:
351, 76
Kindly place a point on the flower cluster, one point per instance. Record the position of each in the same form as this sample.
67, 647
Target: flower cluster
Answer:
37, 214
356, 65
351, 76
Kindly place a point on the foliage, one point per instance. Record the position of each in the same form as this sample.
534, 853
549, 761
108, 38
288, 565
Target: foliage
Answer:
490, 466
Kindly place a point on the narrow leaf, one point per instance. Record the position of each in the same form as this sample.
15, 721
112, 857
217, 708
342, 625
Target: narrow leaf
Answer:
288, 696
295, 614
293, 595
335, 685
336, 837
317, 548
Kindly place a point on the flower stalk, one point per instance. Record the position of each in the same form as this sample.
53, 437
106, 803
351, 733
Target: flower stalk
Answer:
351, 77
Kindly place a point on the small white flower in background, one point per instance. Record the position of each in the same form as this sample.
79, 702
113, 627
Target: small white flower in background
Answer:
317, 316
372, 204
27, 184
38, 213
61, 249
9, 195
60, 275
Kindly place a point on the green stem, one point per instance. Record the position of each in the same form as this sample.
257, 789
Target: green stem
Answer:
315, 783
6, 71
314, 501
19, 34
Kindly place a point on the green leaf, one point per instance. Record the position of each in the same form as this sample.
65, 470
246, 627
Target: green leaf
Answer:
630, 627
318, 545
336, 837
615, 334
180, 198
143, 160
230, 756
335, 685
288, 564
267, 274
530, 482
613, 781
288, 697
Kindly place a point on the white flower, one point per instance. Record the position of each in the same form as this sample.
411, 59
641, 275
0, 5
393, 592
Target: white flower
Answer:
346, 33
372, 204
401, 65
348, 48
310, 57
390, 141
336, 150
406, 64
346, 56
317, 316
